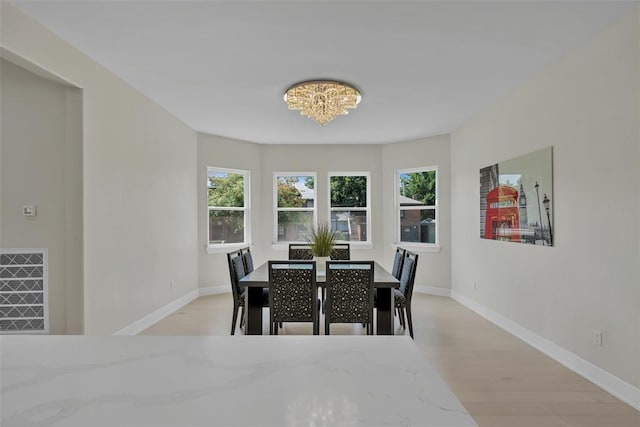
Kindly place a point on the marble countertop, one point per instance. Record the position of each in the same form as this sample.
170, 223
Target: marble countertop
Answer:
89, 381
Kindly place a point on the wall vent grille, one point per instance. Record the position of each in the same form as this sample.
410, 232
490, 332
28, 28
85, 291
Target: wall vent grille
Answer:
24, 291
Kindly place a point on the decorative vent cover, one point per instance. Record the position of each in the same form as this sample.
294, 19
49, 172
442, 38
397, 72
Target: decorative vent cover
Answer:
23, 291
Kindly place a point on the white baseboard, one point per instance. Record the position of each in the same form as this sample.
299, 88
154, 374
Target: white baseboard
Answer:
148, 320
612, 384
214, 290
432, 290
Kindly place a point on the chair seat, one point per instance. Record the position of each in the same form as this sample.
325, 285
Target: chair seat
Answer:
265, 298
399, 299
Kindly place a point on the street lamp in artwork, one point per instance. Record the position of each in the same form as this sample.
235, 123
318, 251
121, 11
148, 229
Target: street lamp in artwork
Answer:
537, 186
546, 202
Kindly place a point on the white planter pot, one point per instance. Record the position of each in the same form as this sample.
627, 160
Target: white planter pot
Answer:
321, 264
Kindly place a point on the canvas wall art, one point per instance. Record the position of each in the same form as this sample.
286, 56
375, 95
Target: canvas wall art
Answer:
516, 199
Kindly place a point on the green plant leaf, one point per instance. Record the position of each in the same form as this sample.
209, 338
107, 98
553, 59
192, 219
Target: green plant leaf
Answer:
322, 240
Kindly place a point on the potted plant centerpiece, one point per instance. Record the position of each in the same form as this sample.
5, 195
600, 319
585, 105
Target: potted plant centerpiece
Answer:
321, 242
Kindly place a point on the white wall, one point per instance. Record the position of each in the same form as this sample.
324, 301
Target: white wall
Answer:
139, 185
434, 268
587, 108
42, 166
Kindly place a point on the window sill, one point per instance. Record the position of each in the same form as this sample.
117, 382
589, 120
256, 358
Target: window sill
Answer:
418, 247
220, 249
354, 246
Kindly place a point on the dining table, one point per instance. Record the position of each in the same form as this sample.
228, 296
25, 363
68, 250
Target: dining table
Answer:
258, 279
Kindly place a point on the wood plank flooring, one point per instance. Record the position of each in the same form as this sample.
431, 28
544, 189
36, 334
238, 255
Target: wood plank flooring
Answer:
501, 381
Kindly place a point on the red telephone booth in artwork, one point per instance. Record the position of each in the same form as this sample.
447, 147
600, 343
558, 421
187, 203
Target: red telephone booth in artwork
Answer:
503, 217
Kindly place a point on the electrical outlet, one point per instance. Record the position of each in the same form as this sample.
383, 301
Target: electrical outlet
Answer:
597, 338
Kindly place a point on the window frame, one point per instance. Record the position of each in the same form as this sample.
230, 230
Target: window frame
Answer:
276, 209
367, 209
212, 248
435, 207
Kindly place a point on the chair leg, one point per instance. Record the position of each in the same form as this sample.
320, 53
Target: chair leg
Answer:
233, 320
326, 328
242, 317
403, 321
408, 310
316, 322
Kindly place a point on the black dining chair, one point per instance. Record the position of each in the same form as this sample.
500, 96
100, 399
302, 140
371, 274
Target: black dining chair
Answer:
235, 262
341, 251
397, 262
247, 258
402, 296
349, 297
300, 251
396, 269
293, 294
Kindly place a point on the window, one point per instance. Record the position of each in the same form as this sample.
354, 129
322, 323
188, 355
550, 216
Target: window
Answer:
416, 201
228, 202
349, 205
295, 205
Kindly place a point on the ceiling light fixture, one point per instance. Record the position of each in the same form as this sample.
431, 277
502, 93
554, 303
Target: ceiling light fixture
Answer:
322, 100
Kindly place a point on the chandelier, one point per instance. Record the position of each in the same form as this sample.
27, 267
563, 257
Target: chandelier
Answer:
322, 100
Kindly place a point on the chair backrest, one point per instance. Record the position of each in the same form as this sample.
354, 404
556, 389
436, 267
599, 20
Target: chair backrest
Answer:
341, 251
236, 271
247, 258
396, 270
349, 291
408, 276
293, 292
300, 251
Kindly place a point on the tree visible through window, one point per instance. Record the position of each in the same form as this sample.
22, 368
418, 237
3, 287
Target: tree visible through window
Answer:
228, 206
349, 206
295, 206
417, 205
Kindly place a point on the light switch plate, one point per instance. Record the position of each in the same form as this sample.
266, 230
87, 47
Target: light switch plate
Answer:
29, 210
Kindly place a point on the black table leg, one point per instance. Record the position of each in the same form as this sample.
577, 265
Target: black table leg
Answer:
385, 312
253, 322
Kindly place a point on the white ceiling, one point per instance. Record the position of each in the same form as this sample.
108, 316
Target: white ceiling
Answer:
424, 68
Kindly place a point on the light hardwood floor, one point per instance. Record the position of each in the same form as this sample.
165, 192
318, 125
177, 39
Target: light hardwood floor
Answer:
501, 381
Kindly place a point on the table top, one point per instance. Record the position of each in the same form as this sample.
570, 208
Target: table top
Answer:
260, 277
222, 381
